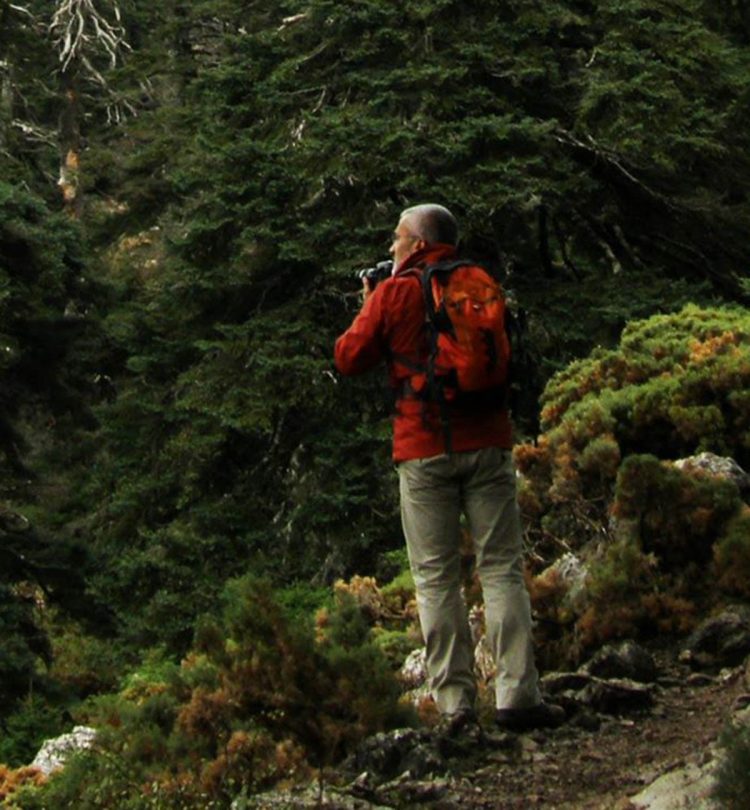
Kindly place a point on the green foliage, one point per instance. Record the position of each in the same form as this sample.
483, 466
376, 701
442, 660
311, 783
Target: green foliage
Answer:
273, 149
733, 773
676, 516
25, 729
600, 476
20, 647
597, 154
258, 700
395, 645
674, 386
732, 556
46, 324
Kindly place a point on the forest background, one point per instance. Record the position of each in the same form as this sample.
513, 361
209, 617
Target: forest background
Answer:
187, 192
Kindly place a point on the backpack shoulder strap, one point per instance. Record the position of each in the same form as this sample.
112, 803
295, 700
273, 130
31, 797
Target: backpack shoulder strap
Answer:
428, 273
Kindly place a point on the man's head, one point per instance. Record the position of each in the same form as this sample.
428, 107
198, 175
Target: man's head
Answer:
423, 225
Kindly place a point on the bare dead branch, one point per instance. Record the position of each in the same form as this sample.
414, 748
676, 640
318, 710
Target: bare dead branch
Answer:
78, 27
21, 10
612, 159
35, 133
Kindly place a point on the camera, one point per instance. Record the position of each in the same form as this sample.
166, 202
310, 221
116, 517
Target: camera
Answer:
374, 275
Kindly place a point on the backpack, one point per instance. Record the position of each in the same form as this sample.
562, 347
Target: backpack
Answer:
469, 350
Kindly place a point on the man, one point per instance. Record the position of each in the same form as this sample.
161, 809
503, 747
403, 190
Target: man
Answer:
473, 476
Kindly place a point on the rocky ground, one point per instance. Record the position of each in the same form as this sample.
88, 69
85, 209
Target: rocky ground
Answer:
605, 757
572, 768
641, 733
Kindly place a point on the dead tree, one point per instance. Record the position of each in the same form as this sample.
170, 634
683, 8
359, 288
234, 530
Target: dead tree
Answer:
83, 36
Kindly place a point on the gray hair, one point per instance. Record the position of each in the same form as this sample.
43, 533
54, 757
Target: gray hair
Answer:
433, 223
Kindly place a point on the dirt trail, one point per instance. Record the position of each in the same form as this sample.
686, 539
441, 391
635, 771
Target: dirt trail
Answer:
572, 768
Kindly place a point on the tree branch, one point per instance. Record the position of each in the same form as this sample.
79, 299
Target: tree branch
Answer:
77, 25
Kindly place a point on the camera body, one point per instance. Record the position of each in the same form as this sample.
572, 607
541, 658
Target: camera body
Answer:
374, 275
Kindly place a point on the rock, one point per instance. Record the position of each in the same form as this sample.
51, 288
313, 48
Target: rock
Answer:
580, 693
586, 720
715, 466
616, 696
571, 572
746, 675
54, 753
555, 682
411, 792
413, 673
309, 798
721, 641
700, 679
688, 787
386, 756
626, 660
742, 717
11, 521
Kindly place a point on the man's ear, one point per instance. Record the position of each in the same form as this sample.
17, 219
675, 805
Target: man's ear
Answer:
420, 244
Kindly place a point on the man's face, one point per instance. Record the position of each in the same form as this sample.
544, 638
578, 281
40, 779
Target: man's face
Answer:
405, 242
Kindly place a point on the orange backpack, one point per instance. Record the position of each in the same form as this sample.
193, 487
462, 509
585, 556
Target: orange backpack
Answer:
468, 347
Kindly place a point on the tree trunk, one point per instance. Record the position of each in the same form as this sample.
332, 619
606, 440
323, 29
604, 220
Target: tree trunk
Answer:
70, 144
6, 82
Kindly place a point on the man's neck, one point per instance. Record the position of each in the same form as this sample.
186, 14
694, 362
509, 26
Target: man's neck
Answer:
429, 254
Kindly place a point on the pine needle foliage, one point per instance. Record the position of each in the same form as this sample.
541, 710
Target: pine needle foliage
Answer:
596, 153
272, 154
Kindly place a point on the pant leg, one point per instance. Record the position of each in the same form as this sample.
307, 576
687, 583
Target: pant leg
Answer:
492, 511
430, 515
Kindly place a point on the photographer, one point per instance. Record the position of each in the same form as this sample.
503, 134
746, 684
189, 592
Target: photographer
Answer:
451, 459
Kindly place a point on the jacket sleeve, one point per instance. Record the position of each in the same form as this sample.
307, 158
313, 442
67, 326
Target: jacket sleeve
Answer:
362, 346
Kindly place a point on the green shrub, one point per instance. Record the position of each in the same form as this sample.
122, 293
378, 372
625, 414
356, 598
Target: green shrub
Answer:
33, 721
258, 700
674, 386
676, 516
732, 785
84, 664
732, 556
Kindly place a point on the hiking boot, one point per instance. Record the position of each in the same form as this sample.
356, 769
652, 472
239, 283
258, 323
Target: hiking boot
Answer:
459, 733
544, 715
457, 723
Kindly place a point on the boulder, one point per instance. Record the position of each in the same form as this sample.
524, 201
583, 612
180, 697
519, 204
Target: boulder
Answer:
720, 641
13, 522
312, 797
716, 467
54, 753
413, 673
681, 788
388, 755
616, 696
555, 682
571, 572
626, 660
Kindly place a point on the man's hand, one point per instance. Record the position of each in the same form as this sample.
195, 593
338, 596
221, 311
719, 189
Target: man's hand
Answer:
367, 290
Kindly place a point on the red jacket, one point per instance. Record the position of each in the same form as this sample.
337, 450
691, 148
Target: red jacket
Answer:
391, 324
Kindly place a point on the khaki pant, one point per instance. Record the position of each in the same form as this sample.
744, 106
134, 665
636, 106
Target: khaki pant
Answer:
434, 493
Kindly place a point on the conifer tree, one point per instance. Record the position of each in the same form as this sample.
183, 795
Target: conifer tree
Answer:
596, 153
